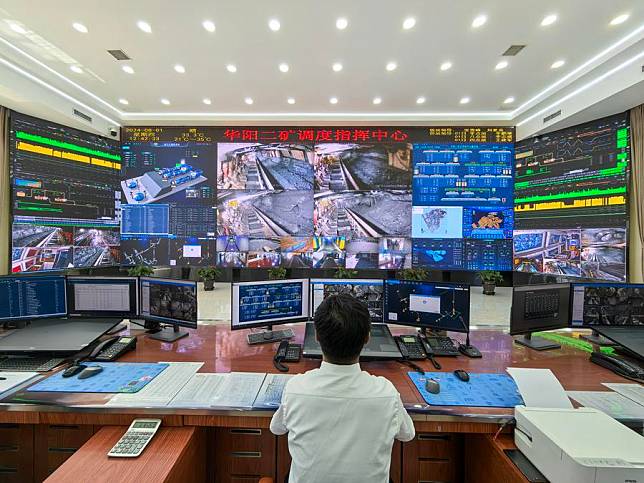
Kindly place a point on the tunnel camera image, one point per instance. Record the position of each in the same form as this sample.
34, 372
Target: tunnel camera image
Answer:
173, 302
613, 305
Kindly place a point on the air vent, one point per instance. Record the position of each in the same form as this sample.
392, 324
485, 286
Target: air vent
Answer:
552, 116
82, 115
118, 54
513, 50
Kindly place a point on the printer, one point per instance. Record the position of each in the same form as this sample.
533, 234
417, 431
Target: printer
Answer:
579, 445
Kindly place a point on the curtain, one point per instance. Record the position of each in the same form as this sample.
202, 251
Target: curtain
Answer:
636, 236
5, 191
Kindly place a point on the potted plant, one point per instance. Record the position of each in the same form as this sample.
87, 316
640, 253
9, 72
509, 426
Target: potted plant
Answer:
418, 274
140, 271
490, 278
277, 273
345, 273
208, 275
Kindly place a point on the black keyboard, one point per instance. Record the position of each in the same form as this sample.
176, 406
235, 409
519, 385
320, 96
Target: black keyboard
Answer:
440, 346
269, 337
29, 364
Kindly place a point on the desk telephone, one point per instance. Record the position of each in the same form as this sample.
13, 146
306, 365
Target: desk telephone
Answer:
112, 348
286, 353
618, 365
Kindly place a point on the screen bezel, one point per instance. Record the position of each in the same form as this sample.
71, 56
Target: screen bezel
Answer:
38, 275
71, 298
540, 326
165, 320
361, 281
234, 305
597, 284
464, 330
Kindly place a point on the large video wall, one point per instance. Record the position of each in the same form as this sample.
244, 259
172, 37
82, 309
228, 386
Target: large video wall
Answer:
65, 204
570, 201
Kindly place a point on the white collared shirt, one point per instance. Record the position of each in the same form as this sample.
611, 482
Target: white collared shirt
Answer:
341, 423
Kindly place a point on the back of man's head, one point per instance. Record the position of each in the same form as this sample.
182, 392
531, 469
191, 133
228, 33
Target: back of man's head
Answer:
342, 325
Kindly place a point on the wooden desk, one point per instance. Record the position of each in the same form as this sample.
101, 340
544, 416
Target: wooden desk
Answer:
48, 429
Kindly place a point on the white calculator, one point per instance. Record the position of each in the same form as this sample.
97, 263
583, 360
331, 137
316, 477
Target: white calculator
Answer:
136, 438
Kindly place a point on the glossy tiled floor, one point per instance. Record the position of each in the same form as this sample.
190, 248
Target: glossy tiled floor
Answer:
486, 310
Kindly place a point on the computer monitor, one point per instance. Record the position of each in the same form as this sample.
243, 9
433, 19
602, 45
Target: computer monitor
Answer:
537, 308
32, 297
268, 303
368, 291
437, 306
103, 297
172, 302
602, 304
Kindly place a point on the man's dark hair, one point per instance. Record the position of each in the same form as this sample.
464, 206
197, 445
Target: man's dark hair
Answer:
342, 325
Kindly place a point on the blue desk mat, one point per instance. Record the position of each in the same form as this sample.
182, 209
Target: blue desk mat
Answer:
116, 377
482, 390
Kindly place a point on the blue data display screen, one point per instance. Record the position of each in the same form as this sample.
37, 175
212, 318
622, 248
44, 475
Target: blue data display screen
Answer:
270, 301
32, 297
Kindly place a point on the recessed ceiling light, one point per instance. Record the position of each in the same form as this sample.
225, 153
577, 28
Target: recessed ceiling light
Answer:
125, 102
409, 23
377, 100
508, 100
337, 67
333, 100
180, 69
420, 100
290, 100
248, 100
479, 21
232, 68
80, 27
464, 100
207, 101
446, 65
283, 67
391, 66
144, 26
274, 24
76, 69
548, 20
501, 65
17, 28
165, 102
558, 63
341, 23
209, 25
128, 69
620, 19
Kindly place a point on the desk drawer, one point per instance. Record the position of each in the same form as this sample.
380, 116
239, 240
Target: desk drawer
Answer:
433, 445
243, 454
54, 443
16, 453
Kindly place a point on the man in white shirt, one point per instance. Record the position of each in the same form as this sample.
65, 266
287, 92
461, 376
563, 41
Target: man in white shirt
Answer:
341, 421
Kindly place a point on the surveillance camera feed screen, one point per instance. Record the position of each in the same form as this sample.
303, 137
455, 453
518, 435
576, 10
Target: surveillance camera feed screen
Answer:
368, 291
168, 190
65, 197
171, 301
607, 304
265, 303
570, 201
438, 306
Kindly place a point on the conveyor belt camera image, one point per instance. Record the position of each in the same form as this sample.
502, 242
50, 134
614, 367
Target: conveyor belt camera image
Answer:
363, 214
370, 294
394, 253
297, 252
173, 302
275, 166
261, 214
231, 259
556, 251
264, 253
603, 254
362, 253
613, 305
329, 252
340, 167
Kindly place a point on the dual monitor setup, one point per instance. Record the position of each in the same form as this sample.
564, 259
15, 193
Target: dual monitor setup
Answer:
155, 300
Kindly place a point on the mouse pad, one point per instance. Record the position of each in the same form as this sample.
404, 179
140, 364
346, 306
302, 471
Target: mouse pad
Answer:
482, 390
116, 377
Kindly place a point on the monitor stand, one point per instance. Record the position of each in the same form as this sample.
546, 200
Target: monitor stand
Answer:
269, 336
169, 334
597, 339
536, 343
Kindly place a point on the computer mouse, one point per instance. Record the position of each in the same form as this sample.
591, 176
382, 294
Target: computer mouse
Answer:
90, 372
73, 370
432, 386
462, 375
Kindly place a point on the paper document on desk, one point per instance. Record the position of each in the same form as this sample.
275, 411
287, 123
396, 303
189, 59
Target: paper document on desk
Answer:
634, 392
239, 390
14, 379
611, 403
540, 388
200, 391
270, 394
161, 390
